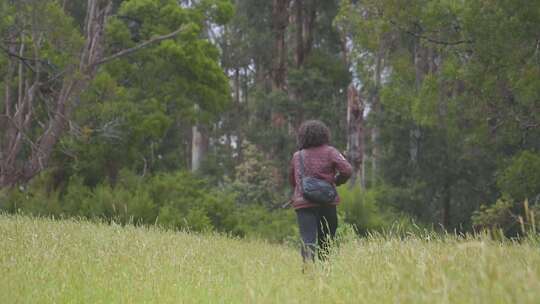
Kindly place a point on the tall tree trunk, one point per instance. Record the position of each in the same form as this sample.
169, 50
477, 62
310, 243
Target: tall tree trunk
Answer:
304, 19
419, 59
19, 111
376, 109
260, 75
240, 112
446, 197
7, 167
445, 91
309, 19
199, 146
299, 20
280, 21
237, 85
355, 134
355, 124
77, 80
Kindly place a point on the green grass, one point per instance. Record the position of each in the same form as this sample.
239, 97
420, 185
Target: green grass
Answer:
47, 261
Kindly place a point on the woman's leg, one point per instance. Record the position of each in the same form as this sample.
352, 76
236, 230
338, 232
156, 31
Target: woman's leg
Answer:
326, 230
307, 222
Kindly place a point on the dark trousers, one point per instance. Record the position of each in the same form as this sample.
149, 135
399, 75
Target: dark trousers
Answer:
317, 229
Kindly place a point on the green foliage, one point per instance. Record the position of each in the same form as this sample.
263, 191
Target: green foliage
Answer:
179, 72
370, 210
320, 85
520, 180
496, 217
508, 219
219, 12
177, 201
255, 180
511, 215
457, 86
135, 111
450, 90
258, 222
425, 104
361, 209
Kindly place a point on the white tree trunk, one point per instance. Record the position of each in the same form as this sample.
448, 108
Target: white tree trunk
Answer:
199, 147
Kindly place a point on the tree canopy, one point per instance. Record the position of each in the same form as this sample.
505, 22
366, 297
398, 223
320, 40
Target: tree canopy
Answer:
435, 103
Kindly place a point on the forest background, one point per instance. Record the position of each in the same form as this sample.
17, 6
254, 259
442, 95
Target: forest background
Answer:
184, 113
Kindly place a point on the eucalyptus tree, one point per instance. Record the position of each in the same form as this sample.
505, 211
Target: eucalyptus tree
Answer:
455, 94
52, 51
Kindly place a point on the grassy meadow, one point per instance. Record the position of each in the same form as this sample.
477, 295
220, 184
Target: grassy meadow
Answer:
50, 261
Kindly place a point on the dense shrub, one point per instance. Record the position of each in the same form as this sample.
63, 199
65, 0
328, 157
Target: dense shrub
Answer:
34, 199
176, 200
517, 211
370, 210
257, 180
520, 180
256, 221
507, 218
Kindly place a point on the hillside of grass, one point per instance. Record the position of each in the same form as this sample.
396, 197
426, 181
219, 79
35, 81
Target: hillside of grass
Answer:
67, 261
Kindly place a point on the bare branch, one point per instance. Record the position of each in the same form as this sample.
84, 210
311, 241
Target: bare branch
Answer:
24, 60
21, 73
139, 46
20, 131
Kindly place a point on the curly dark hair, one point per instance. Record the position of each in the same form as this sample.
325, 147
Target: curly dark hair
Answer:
312, 133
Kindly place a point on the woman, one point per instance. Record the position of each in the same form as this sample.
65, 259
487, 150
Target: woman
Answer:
317, 222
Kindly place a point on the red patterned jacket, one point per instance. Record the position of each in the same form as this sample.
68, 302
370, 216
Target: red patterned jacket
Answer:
324, 162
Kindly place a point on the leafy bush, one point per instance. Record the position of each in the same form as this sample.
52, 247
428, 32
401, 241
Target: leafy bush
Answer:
511, 215
368, 210
506, 218
34, 199
256, 180
521, 179
176, 200
258, 222
360, 209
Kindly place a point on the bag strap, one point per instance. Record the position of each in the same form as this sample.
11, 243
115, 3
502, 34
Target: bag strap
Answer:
301, 165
